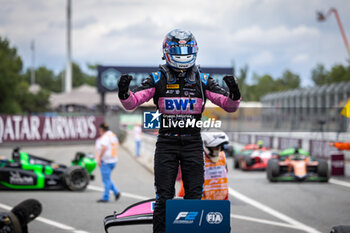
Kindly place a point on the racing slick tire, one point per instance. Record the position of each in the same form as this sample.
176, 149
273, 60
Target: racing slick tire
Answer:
76, 178
322, 169
229, 151
340, 229
273, 169
235, 162
248, 161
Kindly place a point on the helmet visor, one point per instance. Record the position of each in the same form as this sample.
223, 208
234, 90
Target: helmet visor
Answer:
181, 50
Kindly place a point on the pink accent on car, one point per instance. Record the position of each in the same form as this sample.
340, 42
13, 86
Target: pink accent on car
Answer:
180, 105
138, 98
144, 208
222, 101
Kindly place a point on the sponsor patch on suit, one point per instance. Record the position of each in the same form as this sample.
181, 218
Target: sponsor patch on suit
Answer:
172, 86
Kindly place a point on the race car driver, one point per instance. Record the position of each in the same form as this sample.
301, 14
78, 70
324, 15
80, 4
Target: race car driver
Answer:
215, 178
179, 91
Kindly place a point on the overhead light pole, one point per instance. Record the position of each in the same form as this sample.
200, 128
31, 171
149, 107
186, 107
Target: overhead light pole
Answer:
32, 73
68, 79
322, 17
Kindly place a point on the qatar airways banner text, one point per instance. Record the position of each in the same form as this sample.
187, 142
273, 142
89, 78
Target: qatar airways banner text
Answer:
15, 128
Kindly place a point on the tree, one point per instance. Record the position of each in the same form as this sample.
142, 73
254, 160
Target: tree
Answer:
10, 68
31, 102
79, 77
288, 81
339, 73
92, 79
46, 79
319, 75
243, 72
14, 93
266, 84
263, 85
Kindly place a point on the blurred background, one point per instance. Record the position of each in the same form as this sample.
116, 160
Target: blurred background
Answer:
291, 59
60, 61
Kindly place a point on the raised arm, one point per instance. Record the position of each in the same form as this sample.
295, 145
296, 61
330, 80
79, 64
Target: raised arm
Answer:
229, 101
142, 93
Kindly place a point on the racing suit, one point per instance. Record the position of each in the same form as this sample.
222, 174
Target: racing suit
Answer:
179, 96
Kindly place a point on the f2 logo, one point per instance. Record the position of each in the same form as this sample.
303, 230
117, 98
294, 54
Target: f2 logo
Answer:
189, 216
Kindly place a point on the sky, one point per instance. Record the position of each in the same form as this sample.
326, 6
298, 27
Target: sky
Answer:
269, 36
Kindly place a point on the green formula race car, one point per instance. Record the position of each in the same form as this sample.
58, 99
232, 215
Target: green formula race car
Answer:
25, 172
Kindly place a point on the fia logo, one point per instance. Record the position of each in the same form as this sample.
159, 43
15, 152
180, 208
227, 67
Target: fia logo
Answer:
151, 120
214, 217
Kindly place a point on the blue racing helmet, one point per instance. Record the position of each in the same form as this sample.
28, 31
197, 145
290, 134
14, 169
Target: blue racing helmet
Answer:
180, 49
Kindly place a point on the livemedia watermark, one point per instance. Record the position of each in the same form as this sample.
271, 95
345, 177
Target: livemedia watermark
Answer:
153, 120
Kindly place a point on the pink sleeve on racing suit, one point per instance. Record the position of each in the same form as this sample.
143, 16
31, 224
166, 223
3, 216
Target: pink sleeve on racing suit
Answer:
223, 101
138, 98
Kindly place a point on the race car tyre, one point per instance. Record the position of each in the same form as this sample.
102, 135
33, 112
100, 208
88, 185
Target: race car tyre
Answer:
322, 168
17, 226
248, 161
340, 229
235, 162
76, 178
229, 151
273, 169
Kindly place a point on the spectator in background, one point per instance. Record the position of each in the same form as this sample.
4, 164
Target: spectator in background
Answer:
106, 156
341, 145
137, 137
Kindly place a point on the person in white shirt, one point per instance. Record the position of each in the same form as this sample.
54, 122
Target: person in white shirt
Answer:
137, 136
106, 156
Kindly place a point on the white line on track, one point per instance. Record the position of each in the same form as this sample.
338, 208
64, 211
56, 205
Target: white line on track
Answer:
263, 221
100, 189
48, 221
272, 212
339, 182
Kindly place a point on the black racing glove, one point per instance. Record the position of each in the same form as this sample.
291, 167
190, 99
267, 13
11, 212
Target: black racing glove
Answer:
232, 85
123, 86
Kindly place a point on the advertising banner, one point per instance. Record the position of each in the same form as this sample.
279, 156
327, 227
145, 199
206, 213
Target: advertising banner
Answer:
337, 163
16, 128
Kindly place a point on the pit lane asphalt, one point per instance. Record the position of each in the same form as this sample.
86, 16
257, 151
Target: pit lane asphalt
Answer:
316, 205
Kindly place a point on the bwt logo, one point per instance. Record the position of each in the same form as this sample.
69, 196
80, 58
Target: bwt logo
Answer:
185, 217
151, 120
179, 104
